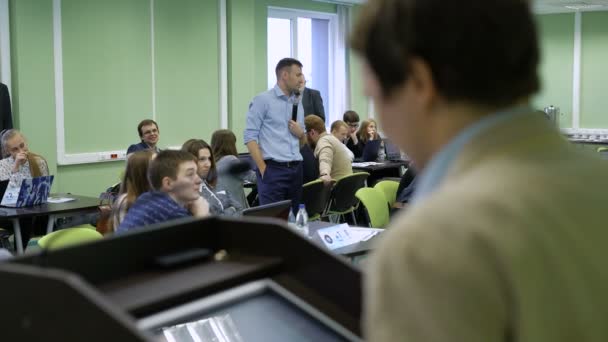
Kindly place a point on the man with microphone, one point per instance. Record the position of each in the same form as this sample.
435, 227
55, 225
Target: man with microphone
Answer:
274, 133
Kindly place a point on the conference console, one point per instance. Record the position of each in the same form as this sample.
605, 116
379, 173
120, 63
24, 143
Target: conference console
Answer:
213, 279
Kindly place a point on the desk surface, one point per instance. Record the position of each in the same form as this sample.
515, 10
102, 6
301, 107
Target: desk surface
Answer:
80, 203
602, 142
382, 166
355, 249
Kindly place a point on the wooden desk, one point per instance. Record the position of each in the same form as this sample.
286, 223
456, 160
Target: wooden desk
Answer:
52, 210
349, 251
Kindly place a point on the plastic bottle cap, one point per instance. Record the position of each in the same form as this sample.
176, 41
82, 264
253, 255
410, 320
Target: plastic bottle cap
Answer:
302, 206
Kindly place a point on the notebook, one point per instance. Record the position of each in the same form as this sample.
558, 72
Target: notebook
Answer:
31, 192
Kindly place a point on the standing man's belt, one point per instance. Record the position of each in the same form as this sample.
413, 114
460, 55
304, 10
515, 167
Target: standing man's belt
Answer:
293, 163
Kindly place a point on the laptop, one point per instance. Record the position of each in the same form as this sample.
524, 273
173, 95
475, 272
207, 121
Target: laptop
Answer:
31, 192
278, 210
393, 153
370, 151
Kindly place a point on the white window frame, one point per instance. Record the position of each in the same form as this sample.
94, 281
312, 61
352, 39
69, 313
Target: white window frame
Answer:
293, 15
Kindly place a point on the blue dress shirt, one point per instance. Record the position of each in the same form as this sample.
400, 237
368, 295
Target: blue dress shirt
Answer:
267, 124
437, 168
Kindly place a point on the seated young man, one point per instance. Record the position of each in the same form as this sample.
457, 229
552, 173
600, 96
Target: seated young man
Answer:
340, 129
334, 160
149, 134
175, 183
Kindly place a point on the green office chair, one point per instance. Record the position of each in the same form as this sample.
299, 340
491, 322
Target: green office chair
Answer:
342, 200
375, 203
389, 189
315, 196
68, 237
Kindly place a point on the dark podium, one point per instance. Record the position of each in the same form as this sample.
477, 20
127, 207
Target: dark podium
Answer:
241, 280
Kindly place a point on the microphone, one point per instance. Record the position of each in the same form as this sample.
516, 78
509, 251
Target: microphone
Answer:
294, 110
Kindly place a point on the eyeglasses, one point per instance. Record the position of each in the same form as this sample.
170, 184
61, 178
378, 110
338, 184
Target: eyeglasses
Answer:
152, 131
353, 124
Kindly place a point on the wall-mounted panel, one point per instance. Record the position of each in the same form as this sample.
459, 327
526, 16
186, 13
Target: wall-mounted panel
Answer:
594, 70
107, 67
187, 69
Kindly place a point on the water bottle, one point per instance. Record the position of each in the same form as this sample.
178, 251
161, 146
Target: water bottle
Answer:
381, 152
302, 220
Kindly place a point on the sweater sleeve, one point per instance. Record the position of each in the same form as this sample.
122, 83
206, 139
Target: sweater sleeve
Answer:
325, 153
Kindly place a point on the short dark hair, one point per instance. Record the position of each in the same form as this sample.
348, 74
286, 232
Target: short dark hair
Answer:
143, 123
285, 63
479, 53
350, 116
192, 146
166, 164
223, 143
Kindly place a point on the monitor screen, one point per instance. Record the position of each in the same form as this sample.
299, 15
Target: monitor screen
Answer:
263, 317
392, 150
277, 210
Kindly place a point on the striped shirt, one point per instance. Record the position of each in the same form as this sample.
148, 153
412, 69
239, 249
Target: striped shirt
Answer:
150, 208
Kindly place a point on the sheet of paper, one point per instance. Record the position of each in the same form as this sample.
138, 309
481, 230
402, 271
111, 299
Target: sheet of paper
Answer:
342, 235
60, 199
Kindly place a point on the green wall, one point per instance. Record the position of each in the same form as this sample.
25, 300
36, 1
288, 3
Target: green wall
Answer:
557, 44
594, 73
108, 58
107, 61
359, 102
557, 59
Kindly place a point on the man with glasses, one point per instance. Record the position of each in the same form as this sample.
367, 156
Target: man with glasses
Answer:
352, 120
149, 134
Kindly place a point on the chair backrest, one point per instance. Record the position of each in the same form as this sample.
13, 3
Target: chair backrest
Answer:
389, 189
342, 196
374, 202
68, 237
315, 196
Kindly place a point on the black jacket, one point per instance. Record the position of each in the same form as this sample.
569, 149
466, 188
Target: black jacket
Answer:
313, 103
6, 115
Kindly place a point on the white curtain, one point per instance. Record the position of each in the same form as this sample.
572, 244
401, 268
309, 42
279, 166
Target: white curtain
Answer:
5, 60
341, 89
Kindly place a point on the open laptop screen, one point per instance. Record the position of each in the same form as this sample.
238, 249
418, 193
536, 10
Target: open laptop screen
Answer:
278, 209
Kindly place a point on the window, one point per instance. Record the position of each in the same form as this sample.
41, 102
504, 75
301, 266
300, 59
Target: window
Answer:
308, 37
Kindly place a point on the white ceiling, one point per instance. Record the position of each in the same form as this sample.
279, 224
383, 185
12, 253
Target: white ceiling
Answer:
565, 6
539, 6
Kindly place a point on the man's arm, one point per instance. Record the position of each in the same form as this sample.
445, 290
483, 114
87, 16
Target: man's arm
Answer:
297, 132
252, 133
256, 155
326, 158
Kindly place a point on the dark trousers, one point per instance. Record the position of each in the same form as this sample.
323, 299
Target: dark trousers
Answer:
281, 181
